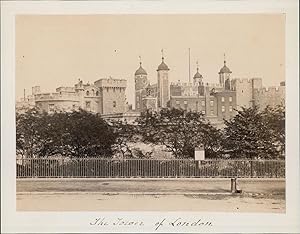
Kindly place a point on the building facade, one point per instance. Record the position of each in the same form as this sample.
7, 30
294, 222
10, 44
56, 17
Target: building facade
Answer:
216, 101
105, 96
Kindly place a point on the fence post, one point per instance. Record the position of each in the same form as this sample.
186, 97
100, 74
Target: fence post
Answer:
233, 185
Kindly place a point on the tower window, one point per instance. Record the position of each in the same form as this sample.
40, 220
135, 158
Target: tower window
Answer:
212, 112
230, 99
185, 102
223, 99
230, 108
88, 105
87, 93
177, 103
114, 104
97, 93
223, 108
211, 103
203, 103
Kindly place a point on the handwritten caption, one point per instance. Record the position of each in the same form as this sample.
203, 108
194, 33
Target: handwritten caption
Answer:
157, 225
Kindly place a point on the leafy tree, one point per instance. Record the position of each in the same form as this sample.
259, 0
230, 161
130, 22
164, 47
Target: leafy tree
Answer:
180, 132
74, 134
27, 137
274, 117
248, 135
124, 134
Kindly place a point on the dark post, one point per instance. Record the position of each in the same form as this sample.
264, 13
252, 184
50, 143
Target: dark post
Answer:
233, 185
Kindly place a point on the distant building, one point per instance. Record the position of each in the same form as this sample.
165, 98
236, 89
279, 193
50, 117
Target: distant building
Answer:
105, 96
216, 101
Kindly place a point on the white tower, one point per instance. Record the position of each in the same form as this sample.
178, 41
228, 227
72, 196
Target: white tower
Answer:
163, 93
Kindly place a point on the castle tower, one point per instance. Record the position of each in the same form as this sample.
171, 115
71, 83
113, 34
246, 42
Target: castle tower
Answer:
141, 82
163, 93
198, 78
224, 76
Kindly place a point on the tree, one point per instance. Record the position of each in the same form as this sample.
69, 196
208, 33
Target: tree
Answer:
180, 132
274, 117
124, 133
27, 137
74, 134
248, 135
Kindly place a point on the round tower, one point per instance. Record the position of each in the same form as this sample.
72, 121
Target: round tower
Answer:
140, 77
141, 82
224, 76
163, 93
198, 78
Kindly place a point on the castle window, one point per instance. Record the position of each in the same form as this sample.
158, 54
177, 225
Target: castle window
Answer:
177, 103
223, 99
230, 108
203, 103
87, 93
223, 108
114, 104
88, 105
93, 92
212, 112
211, 103
97, 93
230, 99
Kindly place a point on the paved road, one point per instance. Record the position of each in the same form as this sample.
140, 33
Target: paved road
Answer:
150, 195
175, 186
99, 202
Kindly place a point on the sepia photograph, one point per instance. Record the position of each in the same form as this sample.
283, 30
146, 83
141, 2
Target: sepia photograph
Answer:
150, 116
150, 112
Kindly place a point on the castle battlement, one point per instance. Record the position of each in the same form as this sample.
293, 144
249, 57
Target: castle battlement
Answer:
111, 83
272, 89
241, 80
55, 96
65, 89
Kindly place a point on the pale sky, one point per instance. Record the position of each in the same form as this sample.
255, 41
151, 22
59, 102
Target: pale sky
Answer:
53, 51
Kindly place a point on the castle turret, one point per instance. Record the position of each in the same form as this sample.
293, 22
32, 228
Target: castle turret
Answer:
198, 78
163, 93
224, 76
141, 82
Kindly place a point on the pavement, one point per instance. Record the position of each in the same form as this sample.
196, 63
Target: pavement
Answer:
197, 194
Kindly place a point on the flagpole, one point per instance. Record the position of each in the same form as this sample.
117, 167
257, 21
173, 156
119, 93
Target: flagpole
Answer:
189, 65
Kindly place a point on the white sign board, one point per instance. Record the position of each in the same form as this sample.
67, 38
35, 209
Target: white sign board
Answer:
199, 154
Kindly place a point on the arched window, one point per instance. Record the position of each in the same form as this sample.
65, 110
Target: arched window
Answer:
97, 93
87, 93
93, 92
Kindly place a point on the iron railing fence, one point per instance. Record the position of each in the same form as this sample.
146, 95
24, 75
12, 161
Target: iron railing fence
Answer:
148, 168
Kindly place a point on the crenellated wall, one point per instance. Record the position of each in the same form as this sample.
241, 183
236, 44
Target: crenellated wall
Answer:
271, 96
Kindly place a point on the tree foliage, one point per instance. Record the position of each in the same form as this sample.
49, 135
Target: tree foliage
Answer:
73, 134
254, 134
180, 132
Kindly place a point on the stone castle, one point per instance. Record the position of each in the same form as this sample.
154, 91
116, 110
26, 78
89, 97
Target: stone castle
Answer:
216, 101
107, 96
